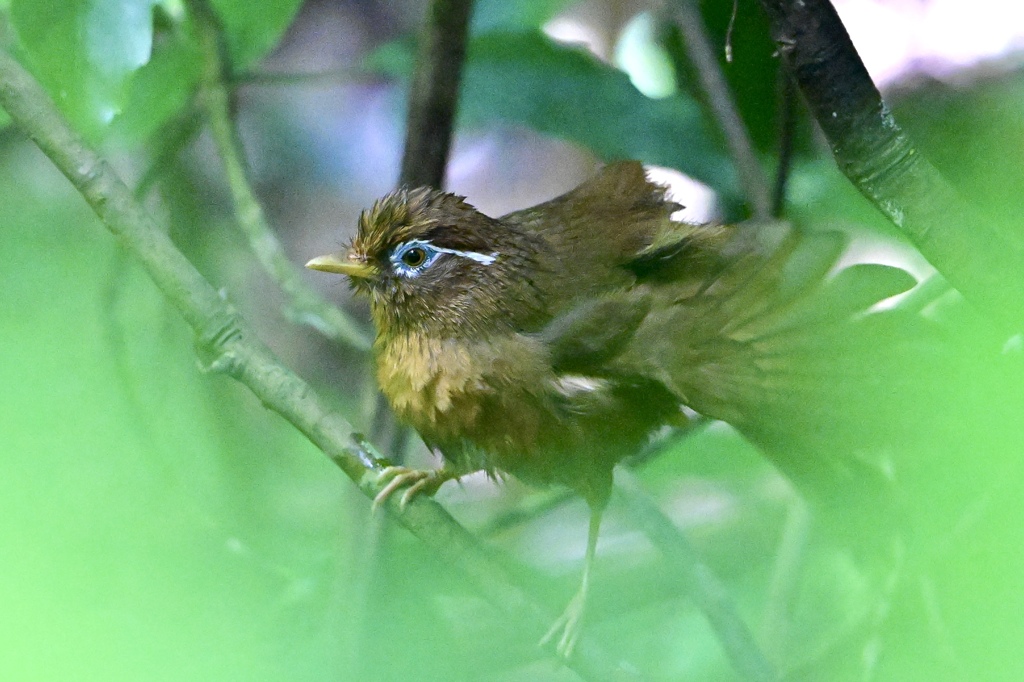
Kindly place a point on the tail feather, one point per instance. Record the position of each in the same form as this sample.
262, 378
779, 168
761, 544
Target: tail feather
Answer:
791, 354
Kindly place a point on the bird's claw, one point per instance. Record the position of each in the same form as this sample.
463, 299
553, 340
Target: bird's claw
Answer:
569, 624
419, 481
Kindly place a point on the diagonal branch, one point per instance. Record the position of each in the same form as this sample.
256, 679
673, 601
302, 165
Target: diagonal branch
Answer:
701, 584
227, 344
305, 305
881, 161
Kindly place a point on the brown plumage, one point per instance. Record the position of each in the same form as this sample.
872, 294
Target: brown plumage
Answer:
552, 342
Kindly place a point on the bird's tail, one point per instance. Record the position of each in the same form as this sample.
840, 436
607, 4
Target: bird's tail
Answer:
794, 354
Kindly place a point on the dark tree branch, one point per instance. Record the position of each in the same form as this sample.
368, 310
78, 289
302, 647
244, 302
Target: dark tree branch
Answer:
878, 158
434, 93
741, 148
226, 343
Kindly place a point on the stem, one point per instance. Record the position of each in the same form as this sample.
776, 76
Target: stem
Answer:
787, 131
226, 343
706, 590
880, 160
434, 93
305, 305
702, 56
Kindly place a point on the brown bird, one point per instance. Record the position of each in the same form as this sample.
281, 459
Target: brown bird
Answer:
554, 341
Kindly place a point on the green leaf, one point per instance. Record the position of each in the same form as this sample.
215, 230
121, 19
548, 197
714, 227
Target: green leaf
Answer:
529, 79
85, 52
751, 73
254, 28
493, 14
160, 89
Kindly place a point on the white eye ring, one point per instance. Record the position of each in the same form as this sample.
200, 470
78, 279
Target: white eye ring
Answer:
413, 257
408, 262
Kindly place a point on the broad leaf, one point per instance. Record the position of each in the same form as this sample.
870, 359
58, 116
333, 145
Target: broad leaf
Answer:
493, 14
254, 28
84, 52
562, 90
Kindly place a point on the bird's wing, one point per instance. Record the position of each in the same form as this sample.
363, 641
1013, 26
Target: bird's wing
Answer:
598, 229
584, 338
785, 348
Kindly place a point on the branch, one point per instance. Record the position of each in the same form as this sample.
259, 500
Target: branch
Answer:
880, 160
702, 56
226, 344
434, 93
701, 585
305, 305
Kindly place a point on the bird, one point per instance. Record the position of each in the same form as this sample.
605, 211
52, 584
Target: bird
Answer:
555, 341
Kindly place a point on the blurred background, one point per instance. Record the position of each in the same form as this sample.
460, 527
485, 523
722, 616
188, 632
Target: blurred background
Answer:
157, 523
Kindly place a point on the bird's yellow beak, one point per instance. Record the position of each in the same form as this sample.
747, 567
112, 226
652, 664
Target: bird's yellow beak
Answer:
347, 263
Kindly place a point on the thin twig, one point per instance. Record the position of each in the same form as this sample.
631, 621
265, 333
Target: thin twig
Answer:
702, 56
787, 131
328, 78
304, 304
784, 583
872, 150
434, 93
701, 584
227, 344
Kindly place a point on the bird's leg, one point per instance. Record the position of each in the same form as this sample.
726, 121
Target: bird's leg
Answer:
419, 482
570, 623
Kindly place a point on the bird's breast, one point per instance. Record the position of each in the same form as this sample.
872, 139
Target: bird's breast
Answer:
451, 390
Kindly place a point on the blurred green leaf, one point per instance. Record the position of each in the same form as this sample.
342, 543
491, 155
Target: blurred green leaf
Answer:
253, 28
84, 52
527, 78
136, 491
161, 89
97, 57
640, 53
492, 14
979, 154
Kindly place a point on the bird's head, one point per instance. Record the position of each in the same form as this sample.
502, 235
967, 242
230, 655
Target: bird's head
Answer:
431, 262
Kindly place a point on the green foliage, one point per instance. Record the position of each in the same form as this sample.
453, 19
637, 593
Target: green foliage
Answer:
494, 14
156, 522
523, 77
98, 59
143, 520
254, 28
85, 53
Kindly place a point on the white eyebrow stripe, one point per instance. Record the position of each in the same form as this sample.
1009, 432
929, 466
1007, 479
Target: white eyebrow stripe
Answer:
483, 258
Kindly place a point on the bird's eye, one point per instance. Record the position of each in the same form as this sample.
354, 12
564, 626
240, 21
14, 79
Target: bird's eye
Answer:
414, 257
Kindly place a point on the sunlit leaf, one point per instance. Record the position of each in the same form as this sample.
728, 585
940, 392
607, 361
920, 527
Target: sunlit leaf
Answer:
84, 52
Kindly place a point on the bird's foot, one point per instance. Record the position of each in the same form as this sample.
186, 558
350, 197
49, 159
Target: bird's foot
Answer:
569, 625
419, 482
